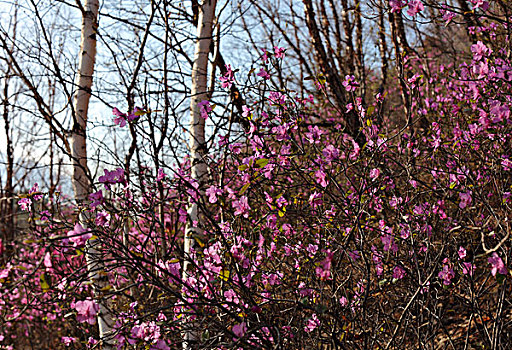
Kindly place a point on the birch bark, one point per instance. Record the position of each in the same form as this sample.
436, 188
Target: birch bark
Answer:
197, 143
81, 179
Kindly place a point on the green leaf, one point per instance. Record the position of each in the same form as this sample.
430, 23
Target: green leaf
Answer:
44, 285
244, 188
371, 109
242, 167
260, 163
224, 275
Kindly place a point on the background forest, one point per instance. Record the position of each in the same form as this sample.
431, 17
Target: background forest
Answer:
331, 174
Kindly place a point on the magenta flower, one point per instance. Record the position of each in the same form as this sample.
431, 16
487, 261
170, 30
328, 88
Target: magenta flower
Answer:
25, 204
462, 253
277, 98
161, 175
263, 73
480, 50
398, 273
67, 341
204, 108
446, 274
415, 6
96, 198
330, 153
120, 117
79, 235
227, 78
497, 265
240, 329
468, 268
112, 177
242, 207
396, 5
279, 52
312, 324
465, 199
33, 190
323, 271
350, 83
389, 243
212, 194
86, 311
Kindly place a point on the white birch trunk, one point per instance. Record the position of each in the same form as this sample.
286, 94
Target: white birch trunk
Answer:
81, 183
197, 138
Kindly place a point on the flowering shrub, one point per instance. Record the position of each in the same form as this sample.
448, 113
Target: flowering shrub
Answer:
308, 237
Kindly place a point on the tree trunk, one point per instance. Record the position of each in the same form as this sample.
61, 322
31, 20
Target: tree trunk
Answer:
81, 177
197, 141
352, 121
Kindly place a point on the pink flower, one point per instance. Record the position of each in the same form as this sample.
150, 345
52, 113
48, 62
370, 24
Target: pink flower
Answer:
96, 198
315, 199
468, 268
212, 194
102, 218
480, 50
312, 324
279, 51
497, 265
448, 16
34, 191
277, 98
67, 341
240, 329
350, 83
47, 262
112, 177
227, 78
389, 244
314, 134
264, 57
204, 108
462, 253
398, 273
120, 117
331, 153
465, 199
446, 274
506, 164
396, 5
79, 235
263, 73
320, 177
161, 175
247, 112
323, 271
242, 207
25, 204
415, 6
86, 311
374, 173
484, 5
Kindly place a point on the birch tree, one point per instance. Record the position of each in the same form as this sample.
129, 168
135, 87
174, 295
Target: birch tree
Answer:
81, 176
197, 141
